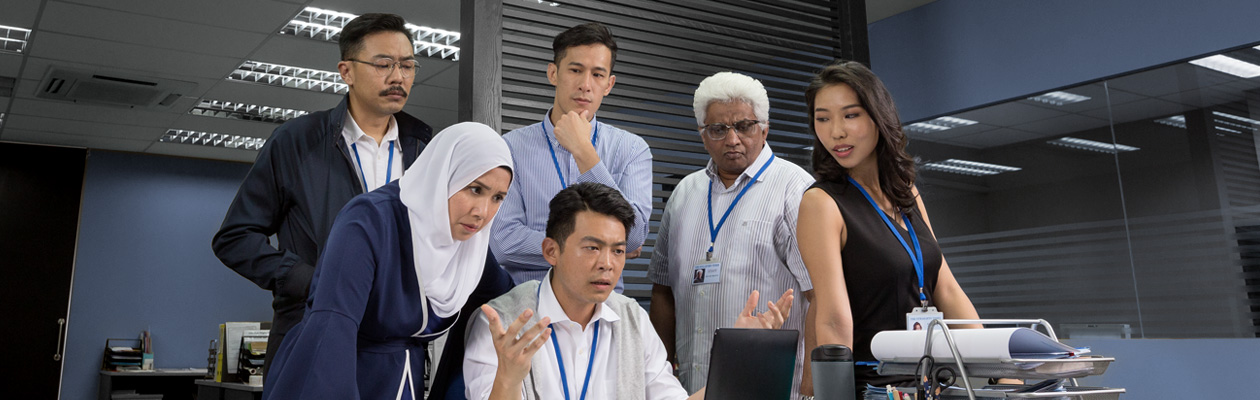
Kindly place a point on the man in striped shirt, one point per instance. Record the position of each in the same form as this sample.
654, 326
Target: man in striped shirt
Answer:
727, 229
567, 147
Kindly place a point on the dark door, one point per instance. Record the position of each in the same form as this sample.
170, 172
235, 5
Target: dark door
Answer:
40, 191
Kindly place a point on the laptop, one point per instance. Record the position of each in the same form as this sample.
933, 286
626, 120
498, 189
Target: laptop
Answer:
752, 364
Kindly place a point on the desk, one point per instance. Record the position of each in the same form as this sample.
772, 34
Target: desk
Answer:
173, 384
208, 389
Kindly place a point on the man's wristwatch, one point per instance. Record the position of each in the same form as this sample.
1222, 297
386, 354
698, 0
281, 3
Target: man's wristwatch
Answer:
804, 397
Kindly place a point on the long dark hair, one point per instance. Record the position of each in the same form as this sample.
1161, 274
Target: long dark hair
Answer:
896, 167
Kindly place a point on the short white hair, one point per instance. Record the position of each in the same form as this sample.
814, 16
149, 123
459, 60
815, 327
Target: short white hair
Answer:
727, 87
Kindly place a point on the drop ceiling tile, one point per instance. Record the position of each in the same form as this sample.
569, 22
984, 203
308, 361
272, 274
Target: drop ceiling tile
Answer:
254, 93
224, 125
62, 139
1168, 80
1009, 114
446, 77
996, 137
442, 14
162, 33
19, 13
950, 133
298, 52
82, 128
1138, 110
1206, 97
10, 63
92, 113
198, 151
259, 16
1062, 125
90, 52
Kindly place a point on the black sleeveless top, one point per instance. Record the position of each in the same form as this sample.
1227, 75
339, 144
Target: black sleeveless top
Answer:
878, 273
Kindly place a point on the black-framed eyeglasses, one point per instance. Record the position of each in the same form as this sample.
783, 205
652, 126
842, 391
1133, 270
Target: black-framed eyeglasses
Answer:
745, 128
386, 66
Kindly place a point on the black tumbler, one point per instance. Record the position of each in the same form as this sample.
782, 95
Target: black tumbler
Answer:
832, 367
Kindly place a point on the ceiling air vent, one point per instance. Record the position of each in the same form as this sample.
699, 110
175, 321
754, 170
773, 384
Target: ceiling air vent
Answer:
111, 89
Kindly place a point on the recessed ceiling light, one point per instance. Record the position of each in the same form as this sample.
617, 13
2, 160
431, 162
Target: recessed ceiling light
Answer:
1090, 145
939, 124
212, 139
326, 25
291, 77
13, 39
965, 167
1229, 65
1178, 121
1059, 98
246, 112
1236, 118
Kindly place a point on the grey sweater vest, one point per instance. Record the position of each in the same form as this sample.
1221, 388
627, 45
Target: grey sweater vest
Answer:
625, 337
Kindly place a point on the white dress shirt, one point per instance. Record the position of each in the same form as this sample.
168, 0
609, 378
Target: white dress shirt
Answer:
481, 361
520, 226
371, 160
756, 247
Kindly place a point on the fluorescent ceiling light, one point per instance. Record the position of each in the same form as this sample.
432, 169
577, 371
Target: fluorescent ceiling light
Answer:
1236, 118
291, 77
212, 139
939, 124
965, 167
13, 39
326, 25
1059, 98
1229, 65
1177, 121
247, 112
1090, 145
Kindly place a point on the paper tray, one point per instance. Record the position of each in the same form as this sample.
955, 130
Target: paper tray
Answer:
1058, 368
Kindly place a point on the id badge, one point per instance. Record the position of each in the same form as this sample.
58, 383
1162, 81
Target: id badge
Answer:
706, 272
920, 317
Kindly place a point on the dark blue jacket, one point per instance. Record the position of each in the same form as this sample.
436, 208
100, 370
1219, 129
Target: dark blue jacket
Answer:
302, 178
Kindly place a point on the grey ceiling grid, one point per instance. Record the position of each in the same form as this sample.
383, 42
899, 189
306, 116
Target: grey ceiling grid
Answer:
665, 49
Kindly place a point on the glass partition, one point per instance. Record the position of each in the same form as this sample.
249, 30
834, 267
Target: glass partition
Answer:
1127, 207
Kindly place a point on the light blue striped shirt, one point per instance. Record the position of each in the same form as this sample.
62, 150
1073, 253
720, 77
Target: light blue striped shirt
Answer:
520, 226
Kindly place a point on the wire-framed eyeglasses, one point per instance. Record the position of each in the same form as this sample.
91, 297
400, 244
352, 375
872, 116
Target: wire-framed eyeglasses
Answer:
745, 128
386, 66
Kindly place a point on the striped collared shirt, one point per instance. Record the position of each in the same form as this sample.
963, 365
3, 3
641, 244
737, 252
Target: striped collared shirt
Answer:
756, 247
520, 226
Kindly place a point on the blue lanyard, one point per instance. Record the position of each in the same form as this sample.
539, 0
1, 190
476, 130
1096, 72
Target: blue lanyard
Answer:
590, 364
563, 183
713, 230
916, 256
389, 169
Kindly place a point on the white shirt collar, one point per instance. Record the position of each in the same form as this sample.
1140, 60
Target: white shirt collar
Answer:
353, 134
548, 306
750, 172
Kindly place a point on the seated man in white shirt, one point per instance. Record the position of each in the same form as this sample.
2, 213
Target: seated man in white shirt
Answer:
591, 334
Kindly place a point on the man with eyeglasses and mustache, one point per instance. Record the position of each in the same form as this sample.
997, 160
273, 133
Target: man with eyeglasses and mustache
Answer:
728, 229
314, 164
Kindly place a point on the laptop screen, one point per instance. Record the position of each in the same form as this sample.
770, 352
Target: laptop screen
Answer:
752, 364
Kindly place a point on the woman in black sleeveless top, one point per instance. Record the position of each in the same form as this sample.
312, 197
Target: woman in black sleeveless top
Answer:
864, 278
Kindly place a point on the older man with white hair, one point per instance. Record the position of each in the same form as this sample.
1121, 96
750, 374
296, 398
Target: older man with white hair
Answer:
735, 220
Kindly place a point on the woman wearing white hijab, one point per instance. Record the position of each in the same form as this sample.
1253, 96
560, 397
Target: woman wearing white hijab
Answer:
399, 265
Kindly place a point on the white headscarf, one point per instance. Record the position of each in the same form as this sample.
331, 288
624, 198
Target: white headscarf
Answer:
449, 270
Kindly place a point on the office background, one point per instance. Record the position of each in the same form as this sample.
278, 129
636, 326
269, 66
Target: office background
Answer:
143, 259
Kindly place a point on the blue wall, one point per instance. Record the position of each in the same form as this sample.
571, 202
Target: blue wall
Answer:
144, 262
951, 55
